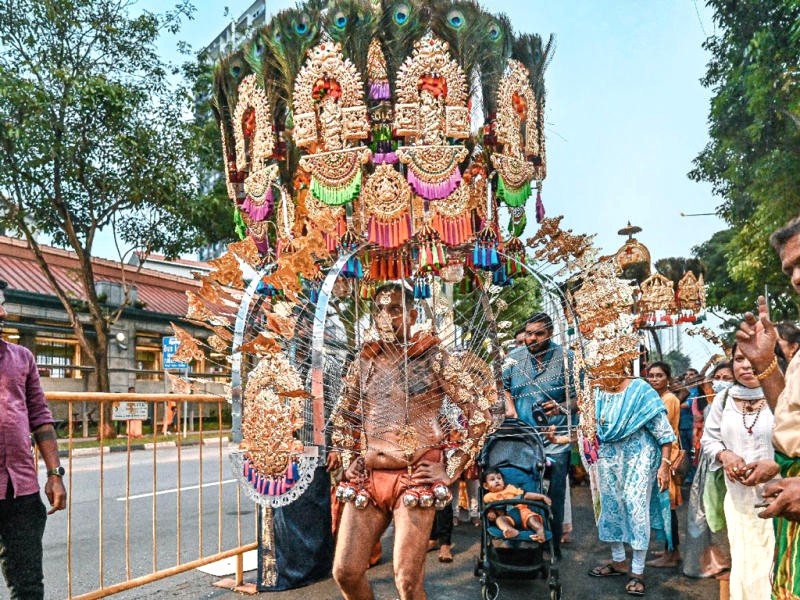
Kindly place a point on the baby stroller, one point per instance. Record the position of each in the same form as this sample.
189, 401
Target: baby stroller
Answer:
517, 451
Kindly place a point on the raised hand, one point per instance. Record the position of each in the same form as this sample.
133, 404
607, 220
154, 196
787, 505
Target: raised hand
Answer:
757, 337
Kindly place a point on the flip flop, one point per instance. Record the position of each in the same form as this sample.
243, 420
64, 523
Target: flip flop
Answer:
632, 592
606, 571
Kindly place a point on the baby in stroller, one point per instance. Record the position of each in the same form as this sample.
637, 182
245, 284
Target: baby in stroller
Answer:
520, 515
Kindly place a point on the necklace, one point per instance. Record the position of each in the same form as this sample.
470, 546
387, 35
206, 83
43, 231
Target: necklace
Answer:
749, 428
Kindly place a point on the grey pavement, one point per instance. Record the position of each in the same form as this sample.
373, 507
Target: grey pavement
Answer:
455, 581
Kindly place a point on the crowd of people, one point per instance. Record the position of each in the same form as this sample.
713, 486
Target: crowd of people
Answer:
723, 438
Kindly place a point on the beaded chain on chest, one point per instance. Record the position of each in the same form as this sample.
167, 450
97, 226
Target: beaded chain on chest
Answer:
749, 408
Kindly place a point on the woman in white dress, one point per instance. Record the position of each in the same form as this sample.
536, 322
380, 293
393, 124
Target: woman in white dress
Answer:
738, 432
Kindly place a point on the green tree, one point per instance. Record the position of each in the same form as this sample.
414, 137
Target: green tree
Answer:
678, 361
212, 212
753, 158
735, 297
93, 136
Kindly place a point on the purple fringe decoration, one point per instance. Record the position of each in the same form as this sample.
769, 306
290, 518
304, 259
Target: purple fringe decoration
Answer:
259, 212
539, 207
379, 90
262, 245
379, 158
435, 191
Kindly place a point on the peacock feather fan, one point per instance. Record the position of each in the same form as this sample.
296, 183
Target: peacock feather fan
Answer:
228, 75
496, 46
290, 34
458, 24
402, 23
536, 54
255, 53
353, 24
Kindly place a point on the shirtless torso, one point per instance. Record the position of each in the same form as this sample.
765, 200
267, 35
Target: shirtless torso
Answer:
388, 426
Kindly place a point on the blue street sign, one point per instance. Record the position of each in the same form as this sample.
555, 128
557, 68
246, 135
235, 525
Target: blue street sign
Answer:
169, 346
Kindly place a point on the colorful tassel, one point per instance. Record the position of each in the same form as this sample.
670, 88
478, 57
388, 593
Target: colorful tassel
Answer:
435, 191
513, 196
539, 204
379, 90
352, 268
484, 253
432, 255
422, 287
239, 224
261, 210
336, 196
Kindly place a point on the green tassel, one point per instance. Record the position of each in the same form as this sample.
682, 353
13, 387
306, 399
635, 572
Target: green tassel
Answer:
336, 196
241, 228
513, 196
517, 228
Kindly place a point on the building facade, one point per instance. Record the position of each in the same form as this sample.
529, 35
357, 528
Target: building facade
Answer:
157, 289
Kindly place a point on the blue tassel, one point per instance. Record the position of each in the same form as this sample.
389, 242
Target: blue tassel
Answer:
475, 258
493, 259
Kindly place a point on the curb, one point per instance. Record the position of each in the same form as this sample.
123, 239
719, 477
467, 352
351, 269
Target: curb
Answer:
64, 453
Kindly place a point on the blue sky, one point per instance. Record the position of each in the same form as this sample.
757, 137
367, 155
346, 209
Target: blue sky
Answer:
626, 113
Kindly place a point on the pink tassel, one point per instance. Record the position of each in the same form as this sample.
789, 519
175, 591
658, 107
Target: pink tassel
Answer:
435, 191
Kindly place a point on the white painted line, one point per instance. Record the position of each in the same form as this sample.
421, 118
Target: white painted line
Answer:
175, 490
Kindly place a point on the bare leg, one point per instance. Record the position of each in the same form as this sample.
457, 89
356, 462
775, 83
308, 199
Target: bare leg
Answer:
411, 529
537, 527
506, 525
359, 531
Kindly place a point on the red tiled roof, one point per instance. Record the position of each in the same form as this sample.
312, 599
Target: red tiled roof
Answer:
186, 262
160, 292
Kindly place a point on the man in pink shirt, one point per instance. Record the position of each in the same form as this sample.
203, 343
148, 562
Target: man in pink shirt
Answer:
24, 412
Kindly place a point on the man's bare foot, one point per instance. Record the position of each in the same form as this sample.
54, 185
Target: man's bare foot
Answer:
432, 545
445, 554
510, 533
666, 561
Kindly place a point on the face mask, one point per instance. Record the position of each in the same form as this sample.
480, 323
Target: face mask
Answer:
720, 386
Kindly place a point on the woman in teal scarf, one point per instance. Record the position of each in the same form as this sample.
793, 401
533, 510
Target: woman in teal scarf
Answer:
633, 473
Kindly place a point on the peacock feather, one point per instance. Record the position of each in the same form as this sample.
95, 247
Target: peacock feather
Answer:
353, 24
290, 34
225, 93
458, 24
402, 23
254, 54
495, 49
536, 55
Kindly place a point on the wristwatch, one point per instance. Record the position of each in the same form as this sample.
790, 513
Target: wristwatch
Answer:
57, 472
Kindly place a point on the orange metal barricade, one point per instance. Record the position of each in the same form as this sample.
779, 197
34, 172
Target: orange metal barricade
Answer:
119, 561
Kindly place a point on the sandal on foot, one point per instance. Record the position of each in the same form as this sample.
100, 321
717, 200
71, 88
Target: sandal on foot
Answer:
632, 587
606, 571
445, 554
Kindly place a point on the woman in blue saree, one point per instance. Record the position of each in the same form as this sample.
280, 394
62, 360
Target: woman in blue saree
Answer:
634, 471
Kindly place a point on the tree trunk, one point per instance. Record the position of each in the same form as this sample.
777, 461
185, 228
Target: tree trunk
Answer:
107, 431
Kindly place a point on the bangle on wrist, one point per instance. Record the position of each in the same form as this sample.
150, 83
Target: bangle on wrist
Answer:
769, 370
666, 460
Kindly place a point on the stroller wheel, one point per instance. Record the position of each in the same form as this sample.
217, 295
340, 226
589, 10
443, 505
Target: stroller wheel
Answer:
490, 589
555, 588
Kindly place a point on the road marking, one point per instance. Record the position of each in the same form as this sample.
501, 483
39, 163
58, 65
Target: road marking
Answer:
175, 490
